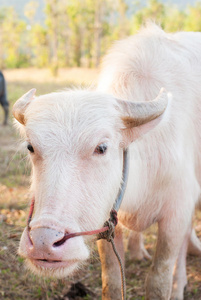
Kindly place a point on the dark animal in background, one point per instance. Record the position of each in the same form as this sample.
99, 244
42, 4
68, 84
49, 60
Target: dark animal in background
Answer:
3, 98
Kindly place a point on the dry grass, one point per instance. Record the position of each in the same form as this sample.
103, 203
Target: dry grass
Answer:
15, 282
65, 76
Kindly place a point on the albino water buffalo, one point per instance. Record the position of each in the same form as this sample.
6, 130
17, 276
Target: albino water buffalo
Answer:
76, 140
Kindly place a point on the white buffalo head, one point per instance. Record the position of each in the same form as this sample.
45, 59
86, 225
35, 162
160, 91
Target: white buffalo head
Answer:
76, 141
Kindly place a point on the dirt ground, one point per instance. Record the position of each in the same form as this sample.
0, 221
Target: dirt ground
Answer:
15, 281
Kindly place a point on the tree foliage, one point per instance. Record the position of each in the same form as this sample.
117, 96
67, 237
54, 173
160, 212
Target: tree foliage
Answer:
78, 32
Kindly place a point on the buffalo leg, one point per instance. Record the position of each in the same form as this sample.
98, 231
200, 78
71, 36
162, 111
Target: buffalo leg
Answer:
171, 234
136, 248
111, 277
180, 276
194, 246
6, 111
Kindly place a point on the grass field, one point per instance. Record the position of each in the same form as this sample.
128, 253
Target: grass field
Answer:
15, 281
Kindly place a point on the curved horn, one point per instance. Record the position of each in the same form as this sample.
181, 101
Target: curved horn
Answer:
139, 113
21, 105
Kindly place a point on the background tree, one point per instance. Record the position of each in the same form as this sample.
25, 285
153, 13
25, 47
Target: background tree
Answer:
193, 18
123, 19
13, 33
174, 19
77, 33
54, 20
155, 11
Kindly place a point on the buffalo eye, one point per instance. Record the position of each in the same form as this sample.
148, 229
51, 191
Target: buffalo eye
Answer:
30, 148
101, 149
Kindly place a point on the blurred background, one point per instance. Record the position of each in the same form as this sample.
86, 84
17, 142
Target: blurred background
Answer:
51, 45
77, 33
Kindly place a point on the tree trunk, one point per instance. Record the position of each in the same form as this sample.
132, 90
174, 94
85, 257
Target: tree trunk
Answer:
98, 31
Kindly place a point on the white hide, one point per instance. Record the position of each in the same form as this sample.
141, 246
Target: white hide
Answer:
135, 69
74, 188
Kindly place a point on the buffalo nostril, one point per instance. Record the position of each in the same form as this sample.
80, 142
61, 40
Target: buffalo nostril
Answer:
60, 242
45, 238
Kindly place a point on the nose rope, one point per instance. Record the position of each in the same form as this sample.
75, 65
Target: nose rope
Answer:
30, 213
107, 232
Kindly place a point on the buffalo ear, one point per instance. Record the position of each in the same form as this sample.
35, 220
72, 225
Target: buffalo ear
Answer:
21, 105
140, 117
